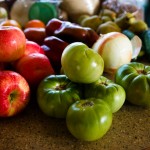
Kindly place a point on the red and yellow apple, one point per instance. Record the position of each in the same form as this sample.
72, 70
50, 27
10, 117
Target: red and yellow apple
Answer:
34, 67
33, 47
14, 93
12, 43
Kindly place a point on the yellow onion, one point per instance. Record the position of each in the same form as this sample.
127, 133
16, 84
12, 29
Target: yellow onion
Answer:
116, 49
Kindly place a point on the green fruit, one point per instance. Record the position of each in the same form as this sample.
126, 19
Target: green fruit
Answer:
128, 33
105, 19
3, 13
81, 64
107, 27
89, 119
113, 94
134, 77
138, 26
92, 22
125, 20
109, 13
55, 94
81, 18
145, 37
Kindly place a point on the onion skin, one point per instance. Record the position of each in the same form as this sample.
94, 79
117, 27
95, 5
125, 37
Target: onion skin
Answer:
115, 49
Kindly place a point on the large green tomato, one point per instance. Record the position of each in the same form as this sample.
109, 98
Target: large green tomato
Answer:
108, 91
135, 79
89, 119
81, 64
56, 93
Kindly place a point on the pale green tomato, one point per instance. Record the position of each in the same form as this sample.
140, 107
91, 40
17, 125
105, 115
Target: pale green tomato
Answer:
107, 90
134, 77
56, 93
81, 64
89, 119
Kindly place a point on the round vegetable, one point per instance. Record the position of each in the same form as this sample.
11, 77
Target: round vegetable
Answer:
81, 64
115, 49
56, 93
108, 91
89, 119
135, 79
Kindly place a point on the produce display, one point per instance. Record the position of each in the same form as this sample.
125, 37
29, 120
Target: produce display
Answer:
65, 62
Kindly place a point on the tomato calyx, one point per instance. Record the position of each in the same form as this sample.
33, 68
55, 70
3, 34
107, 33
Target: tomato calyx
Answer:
61, 87
142, 72
104, 83
87, 104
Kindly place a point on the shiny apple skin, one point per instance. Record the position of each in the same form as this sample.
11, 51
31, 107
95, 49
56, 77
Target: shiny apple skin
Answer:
14, 93
34, 67
12, 43
33, 47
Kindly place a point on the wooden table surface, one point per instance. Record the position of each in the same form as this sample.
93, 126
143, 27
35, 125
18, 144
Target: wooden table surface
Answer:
33, 130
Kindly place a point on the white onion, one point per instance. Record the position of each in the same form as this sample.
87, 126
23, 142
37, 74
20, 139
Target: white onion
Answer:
115, 49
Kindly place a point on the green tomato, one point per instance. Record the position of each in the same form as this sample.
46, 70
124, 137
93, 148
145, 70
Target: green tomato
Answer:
108, 91
135, 79
56, 93
81, 64
89, 119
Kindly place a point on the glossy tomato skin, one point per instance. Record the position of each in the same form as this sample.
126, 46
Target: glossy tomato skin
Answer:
89, 119
107, 90
56, 93
135, 79
81, 64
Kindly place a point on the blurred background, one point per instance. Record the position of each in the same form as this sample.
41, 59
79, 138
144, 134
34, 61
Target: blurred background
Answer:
18, 9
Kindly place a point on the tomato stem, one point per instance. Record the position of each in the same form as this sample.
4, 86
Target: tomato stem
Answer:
87, 103
60, 87
141, 72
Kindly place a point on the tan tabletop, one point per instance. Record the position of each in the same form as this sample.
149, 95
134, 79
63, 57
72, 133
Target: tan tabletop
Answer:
32, 130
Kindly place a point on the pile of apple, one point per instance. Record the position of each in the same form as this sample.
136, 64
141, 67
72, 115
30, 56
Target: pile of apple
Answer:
23, 64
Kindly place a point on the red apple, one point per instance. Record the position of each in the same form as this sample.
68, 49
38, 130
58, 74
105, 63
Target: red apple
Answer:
12, 43
34, 67
53, 48
33, 47
14, 93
